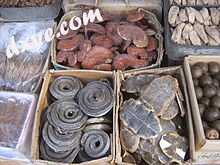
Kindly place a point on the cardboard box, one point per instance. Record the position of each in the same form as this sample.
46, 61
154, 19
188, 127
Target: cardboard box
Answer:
85, 76
178, 71
207, 151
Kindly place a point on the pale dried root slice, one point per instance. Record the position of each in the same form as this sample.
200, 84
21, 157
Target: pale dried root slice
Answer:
206, 17
194, 38
187, 29
172, 16
200, 30
177, 33
213, 32
215, 16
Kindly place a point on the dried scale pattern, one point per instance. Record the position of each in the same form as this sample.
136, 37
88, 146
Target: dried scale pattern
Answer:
128, 42
26, 3
69, 135
195, 27
150, 117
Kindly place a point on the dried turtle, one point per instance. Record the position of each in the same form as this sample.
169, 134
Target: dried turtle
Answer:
171, 112
129, 140
133, 33
136, 116
160, 93
174, 146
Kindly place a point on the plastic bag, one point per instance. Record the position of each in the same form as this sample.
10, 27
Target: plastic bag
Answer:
16, 121
23, 54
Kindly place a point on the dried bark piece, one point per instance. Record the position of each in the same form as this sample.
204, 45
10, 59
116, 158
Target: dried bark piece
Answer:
85, 47
206, 17
137, 117
104, 67
183, 15
70, 44
133, 33
129, 140
135, 16
200, 30
139, 53
194, 38
191, 14
172, 16
124, 61
96, 28
160, 93
102, 40
97, 55
187, 29
213, 32
177, 34
215, 16
174, 146
171, 112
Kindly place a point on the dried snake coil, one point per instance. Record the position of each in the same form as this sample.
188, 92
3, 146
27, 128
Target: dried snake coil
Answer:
65, 87
96, 98
96, 143
66, 116
60, 142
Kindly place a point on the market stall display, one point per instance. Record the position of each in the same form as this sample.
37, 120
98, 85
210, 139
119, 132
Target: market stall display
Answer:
195, 2
120, 42
152, 116
21, 3
75, 123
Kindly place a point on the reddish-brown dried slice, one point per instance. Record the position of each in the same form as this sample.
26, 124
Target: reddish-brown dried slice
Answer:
160, 93
96, 28
135, 16
70, 35
104, 67
102, 40
85, 47
111, 28
61, 56
152, 44
70, 44
139, 53
72, 60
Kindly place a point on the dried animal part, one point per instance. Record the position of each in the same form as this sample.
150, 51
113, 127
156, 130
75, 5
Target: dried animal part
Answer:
215, 16
70, 44
133, 33
65, 87
71, 34
171, 112
111, 28
26, 3
99, 120
177, 34
172, 16
139, 53
96, 99
135, 16
187, 29
149, 158
212, 134
160, 93
136, 116
96, 28
194, 38
151, 32
85, 47
191, 14
213, 32
134, 84
200, 30
97, 55
124, 61
152, 44
129, 140
206, 17
96, 143
62, 56
174, 146
183, 15
102, 40
65, 157
105, 127
66, 116
103, 67
72, 60
128, 158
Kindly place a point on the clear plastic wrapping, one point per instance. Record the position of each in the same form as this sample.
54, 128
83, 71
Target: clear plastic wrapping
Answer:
16, 122
21, 71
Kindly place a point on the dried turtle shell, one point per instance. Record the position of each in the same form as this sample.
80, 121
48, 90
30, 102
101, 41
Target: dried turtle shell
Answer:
129, 140
128, 158
160, 93
171, 112
137, 117
174, 146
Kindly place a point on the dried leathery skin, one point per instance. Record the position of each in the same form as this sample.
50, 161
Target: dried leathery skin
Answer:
200, 30
160, 93
172, 16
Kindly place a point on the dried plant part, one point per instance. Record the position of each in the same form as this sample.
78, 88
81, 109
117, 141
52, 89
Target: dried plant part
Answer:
136, 116
61, 56
212, 2
135, 16
172, 16
194, 38
212, 42
199, 2
200, 30
129, 140
183, 15
171, 112
85, 47
139, 53
191, 2
206, 17
178, 2
213, 32
177, 33
70, 35
102, 40
96, 28
174, 146
187, 29
151, 32
199, 17
111, 28
215, 16
191, 14
160, 93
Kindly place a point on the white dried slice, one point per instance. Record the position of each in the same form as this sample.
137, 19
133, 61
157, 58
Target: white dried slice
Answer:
200, 30
171, 112
160, 93
191, 14
184, 2
212, 42
187, 29
199, 2
218, 2
199, 16
177, 33
178, 2
215, 16
172, 16
213, 32
178, 21
129, 140
205, 2
206, 17
171, 2
174, 146
194, 38
212, 2
191, 2
183, 16
188, 42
